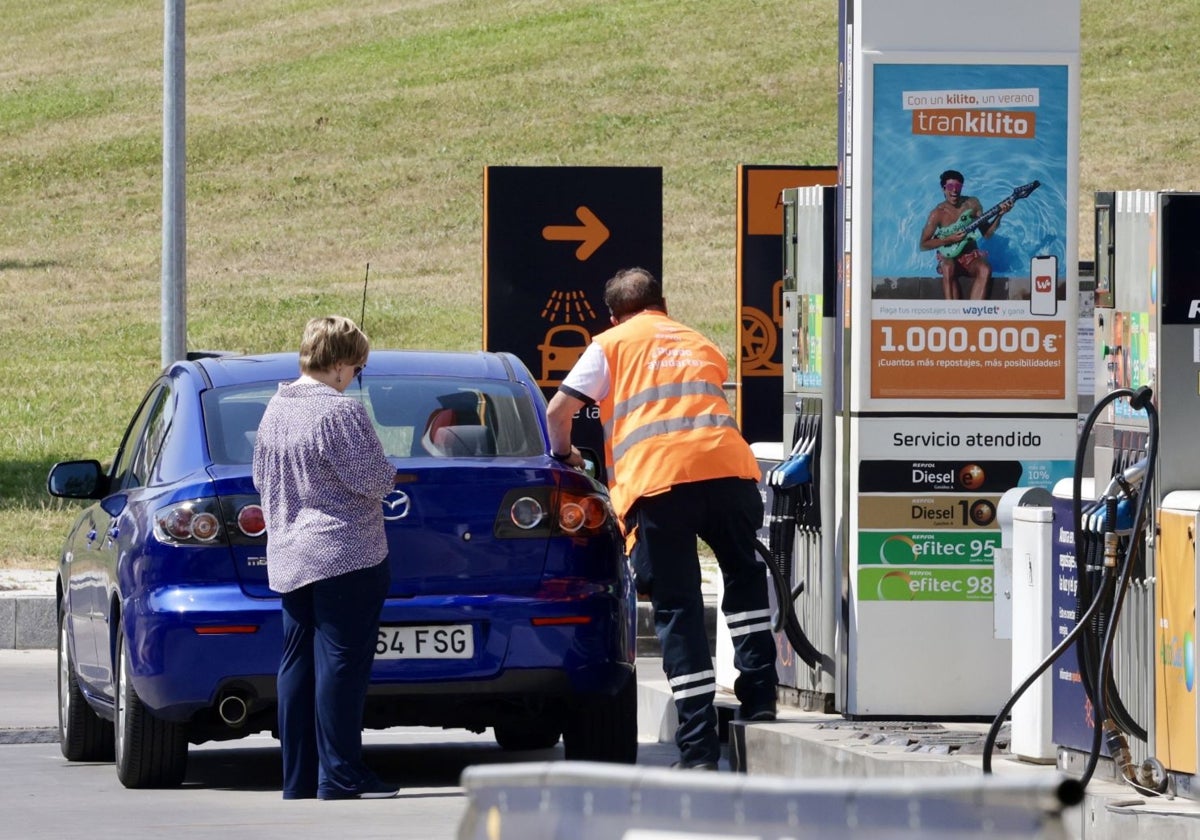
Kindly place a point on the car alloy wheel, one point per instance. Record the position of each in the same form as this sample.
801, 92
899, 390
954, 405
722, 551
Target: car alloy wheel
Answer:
83, 736
150, 752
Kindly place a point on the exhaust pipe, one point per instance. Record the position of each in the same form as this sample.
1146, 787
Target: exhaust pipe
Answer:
233, 709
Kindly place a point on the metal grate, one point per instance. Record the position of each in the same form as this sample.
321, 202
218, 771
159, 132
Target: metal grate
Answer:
921, 737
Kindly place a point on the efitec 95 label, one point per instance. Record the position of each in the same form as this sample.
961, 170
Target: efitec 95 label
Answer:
956, 548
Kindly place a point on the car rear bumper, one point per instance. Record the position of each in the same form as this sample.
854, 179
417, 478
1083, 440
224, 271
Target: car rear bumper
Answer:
189, 645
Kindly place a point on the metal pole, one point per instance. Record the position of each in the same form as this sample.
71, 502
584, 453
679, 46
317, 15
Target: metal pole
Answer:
174, 227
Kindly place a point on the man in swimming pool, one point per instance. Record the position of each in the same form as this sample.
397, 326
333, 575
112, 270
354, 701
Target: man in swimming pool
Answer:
958, 254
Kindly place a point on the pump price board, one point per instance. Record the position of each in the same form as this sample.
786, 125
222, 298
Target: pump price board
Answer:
928, 529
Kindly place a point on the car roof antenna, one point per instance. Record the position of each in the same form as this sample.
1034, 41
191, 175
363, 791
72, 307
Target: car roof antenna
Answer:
363, 317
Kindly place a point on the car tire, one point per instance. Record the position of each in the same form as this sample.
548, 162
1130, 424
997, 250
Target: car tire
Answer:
149, 752
527, 735
83, 735
604, 728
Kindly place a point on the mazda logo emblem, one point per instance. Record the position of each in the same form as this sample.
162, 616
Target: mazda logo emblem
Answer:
396, 505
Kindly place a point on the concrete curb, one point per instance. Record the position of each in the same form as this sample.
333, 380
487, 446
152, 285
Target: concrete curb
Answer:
27, 622
590, 801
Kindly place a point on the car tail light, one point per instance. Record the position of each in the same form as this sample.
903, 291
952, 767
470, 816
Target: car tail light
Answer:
205, 527
237, 520
188, 522
251, 521
547, 511
527, 513
581, 514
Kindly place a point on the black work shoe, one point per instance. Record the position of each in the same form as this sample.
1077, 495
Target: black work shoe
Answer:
695, 765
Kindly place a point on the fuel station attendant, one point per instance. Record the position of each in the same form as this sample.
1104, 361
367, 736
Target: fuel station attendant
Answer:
678, 470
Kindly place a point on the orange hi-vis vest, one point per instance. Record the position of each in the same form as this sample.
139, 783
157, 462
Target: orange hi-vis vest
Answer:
666, 419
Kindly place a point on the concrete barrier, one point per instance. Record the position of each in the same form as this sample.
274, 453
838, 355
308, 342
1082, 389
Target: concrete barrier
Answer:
588, 801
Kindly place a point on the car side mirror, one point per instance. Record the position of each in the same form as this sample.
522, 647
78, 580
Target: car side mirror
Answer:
77, 480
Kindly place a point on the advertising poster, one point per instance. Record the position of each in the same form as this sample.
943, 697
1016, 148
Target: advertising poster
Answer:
968, 233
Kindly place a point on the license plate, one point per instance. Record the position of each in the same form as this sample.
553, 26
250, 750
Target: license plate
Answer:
434, 641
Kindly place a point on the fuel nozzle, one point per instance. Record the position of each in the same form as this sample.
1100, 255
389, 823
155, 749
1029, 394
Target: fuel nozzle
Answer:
1112, 543
1118, 750
1125, 484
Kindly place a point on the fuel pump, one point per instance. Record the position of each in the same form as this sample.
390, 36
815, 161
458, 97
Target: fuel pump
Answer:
1124, 560
801, 554
1109, 540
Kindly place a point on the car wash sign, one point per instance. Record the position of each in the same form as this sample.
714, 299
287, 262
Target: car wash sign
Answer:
552, 237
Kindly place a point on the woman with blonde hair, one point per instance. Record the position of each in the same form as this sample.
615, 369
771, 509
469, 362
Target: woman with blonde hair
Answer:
322, 474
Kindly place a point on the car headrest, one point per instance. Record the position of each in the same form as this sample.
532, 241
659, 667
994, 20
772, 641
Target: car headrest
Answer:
457, 441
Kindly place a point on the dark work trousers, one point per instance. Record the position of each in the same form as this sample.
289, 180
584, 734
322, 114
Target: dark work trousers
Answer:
726, 513
330, 628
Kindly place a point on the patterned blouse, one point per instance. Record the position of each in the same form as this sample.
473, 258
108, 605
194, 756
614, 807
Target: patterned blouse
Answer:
322, 475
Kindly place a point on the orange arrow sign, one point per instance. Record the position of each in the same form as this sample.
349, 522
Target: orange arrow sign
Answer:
590, 235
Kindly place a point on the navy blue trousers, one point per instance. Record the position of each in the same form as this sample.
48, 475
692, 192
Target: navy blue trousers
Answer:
330, 628
726, 513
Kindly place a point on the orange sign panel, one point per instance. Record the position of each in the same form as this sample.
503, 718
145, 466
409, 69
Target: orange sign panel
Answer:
968, 359
764, 203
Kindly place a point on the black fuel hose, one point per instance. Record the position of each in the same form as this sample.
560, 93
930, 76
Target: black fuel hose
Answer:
1139, 400
788, 621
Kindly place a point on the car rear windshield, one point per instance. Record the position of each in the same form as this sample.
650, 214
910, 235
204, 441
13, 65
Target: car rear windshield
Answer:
415, 417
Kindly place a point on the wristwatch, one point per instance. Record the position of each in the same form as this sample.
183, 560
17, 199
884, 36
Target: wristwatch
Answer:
559, 457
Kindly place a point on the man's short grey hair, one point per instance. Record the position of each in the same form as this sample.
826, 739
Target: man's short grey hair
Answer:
631, 290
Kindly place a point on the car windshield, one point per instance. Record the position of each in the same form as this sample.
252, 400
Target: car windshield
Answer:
415, 416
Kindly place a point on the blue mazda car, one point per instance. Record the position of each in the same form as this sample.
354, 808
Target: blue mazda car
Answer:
511, 607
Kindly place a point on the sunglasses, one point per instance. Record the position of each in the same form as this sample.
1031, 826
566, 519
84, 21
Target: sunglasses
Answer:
358, 369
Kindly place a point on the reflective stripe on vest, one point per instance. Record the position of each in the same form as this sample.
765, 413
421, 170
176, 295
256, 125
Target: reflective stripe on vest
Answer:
662, 427
666, 391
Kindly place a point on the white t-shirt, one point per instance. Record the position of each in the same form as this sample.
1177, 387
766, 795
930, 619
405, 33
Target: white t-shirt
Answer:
590, 376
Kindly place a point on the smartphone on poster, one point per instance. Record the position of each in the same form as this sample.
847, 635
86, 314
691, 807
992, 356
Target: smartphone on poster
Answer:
1043, 285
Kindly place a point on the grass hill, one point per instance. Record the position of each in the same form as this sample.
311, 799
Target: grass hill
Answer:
324, 135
